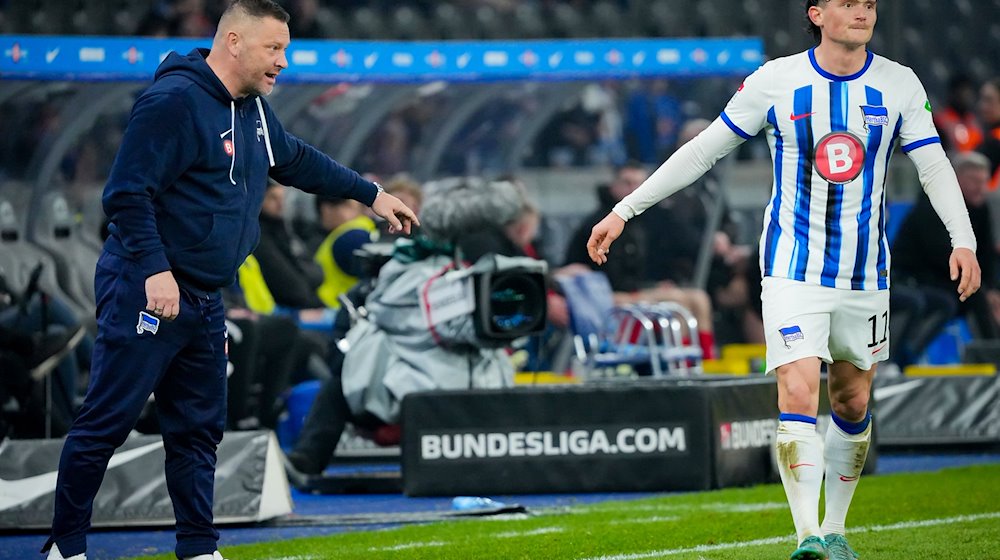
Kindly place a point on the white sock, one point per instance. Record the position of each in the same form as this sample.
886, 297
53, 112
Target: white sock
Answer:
54, 554
845, 459
800, 464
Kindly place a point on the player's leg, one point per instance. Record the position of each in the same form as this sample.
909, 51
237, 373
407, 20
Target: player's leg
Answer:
191, 404
858, 340
126, 367
797, 326
799, 447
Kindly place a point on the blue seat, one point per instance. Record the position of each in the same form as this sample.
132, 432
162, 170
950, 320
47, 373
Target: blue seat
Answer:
608, 338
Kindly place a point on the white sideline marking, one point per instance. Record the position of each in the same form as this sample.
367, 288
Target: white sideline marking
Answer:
652, 519
779, 540
531, 533
722, 507
405, 546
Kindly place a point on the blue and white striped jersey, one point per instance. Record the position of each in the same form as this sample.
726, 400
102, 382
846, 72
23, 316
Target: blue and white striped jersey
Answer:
831, 139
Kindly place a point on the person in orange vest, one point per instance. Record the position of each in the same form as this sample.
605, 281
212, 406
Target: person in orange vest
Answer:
956, 121
989, 114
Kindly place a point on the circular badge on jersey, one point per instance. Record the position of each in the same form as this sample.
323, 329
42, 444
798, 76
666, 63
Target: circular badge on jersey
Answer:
227, 145
840, 157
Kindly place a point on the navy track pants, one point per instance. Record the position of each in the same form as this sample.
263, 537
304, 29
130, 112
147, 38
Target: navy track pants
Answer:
184, 364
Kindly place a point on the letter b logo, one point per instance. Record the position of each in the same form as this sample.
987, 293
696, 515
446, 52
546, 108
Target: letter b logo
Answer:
840, 156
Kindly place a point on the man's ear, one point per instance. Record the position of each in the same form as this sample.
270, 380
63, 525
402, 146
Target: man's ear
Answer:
234, 43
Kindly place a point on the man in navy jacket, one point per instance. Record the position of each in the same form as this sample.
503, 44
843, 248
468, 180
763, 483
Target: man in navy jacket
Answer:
183, 199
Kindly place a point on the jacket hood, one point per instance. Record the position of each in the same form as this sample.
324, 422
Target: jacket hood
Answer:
195, 68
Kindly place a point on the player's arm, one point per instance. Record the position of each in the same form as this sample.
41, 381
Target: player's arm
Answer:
938, 179
920, 141
741, 120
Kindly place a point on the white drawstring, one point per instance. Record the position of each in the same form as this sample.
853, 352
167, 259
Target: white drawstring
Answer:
232, 129
267, 136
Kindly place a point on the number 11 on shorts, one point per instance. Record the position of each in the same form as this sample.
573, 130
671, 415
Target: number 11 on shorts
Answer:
885, 329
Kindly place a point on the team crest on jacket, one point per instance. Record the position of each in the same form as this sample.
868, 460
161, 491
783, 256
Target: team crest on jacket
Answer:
147, 323
227, 145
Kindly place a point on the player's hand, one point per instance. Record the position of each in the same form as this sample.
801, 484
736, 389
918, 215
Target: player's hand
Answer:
603, 235
163, 298
965, 268
392, 210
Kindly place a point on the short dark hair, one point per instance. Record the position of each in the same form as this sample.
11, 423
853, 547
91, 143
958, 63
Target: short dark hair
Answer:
811, 27
260, 8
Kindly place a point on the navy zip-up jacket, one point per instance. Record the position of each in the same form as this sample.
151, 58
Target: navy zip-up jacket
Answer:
187, 184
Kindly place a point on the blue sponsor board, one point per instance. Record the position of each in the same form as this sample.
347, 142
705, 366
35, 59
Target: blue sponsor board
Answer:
312, 61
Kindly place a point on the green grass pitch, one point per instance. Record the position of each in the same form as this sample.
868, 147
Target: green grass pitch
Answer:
949, 514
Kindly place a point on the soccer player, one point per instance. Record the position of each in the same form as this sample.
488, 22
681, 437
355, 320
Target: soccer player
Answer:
832, 116
183, 198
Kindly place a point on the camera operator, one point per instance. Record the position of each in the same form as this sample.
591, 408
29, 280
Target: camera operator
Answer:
414, 334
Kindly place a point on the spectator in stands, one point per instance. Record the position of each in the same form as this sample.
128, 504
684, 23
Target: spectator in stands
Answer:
266, 351
630, 275
394, 351
919, 260
26, 358
678, 233
290, 277
182, 199
304, 22
956, 120
989, 114
653, 120
348, 228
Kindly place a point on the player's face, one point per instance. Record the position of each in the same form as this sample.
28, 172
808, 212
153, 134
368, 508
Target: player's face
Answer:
848, 22
262, 55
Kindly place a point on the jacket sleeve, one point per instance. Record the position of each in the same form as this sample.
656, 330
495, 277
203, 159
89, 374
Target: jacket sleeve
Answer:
304, 167
159, 144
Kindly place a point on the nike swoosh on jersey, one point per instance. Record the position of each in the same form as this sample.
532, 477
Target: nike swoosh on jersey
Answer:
797, 465
877, 350
16, 492
795, 117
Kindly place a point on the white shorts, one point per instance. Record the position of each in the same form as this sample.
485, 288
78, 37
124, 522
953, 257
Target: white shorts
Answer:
805, 320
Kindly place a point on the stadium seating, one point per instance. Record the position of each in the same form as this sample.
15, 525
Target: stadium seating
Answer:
610, 341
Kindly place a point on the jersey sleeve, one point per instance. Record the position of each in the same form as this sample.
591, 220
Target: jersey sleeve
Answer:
918, 125
746, 112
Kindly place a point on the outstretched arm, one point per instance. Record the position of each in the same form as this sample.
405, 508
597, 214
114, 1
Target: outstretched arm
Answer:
685, 166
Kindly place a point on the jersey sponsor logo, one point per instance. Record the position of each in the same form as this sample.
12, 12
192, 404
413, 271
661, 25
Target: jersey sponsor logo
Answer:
147, 323
875, 116
795, 117
840, 157
791, 334
227, 145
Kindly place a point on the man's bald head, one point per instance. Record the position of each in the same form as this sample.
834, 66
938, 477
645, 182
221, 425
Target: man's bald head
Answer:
242, 12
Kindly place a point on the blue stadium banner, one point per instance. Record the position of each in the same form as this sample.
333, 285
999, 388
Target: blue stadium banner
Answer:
311, 61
